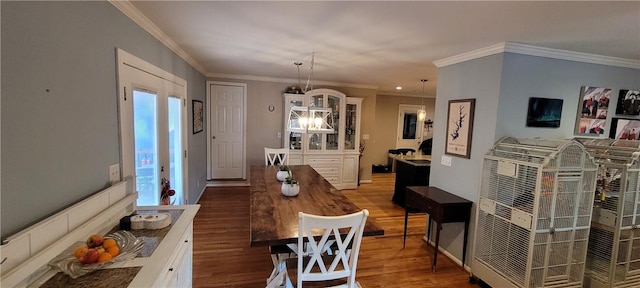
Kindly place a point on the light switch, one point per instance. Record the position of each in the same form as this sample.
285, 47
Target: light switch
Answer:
365, 136
279, 135
445, 160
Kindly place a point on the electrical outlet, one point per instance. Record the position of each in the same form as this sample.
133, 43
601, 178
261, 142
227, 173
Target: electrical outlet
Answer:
445, 160
114, 173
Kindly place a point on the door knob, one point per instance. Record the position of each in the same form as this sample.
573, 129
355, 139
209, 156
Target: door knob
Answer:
214, 137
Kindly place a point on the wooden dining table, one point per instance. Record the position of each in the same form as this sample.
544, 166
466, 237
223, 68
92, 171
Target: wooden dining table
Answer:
274, 217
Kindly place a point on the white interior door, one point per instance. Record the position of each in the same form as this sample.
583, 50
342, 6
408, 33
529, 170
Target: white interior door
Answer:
409, 130
226, 130
152, 123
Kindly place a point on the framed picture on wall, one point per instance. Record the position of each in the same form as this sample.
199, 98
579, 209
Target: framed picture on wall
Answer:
625, 129
198, 116
628, 103
591, 118
544, 112
460, 127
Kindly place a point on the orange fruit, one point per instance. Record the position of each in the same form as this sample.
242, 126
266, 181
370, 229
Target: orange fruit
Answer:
104, 257
80, 251
113, 250
108, 243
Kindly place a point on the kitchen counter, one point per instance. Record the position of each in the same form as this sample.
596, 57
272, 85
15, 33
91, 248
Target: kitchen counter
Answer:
422, 160
411, 170
158, 247
415, 160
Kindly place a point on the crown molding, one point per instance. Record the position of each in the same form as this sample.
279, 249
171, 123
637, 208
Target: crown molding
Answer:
540, 52
288, 80
134, 14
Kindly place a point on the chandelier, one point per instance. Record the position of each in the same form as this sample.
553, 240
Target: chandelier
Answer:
308, 119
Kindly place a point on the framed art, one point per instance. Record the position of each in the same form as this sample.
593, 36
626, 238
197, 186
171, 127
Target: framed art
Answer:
460, 127
591, 118
198, 116
544, 112
625, 129
628, 103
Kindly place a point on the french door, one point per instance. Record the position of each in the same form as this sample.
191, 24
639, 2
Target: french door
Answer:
152, 121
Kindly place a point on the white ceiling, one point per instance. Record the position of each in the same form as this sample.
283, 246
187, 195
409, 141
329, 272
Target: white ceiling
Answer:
381, 44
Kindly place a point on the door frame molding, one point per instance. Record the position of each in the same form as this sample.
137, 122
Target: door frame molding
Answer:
124, 58
244, 121
419, 130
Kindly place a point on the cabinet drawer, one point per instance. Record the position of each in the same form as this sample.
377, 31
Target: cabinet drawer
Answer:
424, 204
332, 179
327, 170
333, 160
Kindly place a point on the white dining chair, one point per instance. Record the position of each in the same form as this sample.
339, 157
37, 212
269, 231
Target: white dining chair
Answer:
313, 265
276, 156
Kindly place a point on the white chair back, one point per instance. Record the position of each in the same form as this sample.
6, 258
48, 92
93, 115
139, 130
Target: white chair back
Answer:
275, 156
345, 259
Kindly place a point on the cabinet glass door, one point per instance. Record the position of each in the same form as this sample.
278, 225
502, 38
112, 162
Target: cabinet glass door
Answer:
315, 139
350, 129
295, 138
333, 102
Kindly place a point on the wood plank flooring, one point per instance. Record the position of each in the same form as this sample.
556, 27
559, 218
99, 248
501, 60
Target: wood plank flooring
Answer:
222, 256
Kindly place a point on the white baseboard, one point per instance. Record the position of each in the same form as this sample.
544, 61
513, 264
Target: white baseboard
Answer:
229, 184
446, 253
366, 181
200, 195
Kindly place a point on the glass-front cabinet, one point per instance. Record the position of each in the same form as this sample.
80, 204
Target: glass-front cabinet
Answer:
330, 150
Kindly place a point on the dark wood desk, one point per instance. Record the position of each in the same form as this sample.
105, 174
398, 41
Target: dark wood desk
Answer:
442, 207
274, 217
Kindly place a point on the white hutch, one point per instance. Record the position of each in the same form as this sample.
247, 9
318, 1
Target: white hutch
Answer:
335, 155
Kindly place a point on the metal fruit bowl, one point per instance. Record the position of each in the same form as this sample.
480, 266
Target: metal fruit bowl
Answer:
129, 245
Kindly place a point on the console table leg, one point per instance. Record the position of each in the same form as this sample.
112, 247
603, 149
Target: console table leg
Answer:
464, 242
435, 247
406, 216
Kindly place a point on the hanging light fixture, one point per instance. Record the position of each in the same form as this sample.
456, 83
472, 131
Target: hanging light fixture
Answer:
303, 119
422, 114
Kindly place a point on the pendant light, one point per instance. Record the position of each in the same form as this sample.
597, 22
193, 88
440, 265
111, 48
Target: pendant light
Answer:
422, 114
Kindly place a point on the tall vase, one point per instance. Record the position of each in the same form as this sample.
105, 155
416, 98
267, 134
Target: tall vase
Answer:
164, 201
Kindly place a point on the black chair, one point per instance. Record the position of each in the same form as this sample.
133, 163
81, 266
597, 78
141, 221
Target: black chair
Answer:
426, 146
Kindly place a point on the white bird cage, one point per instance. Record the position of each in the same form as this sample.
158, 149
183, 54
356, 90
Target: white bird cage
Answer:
534, 213
613, 254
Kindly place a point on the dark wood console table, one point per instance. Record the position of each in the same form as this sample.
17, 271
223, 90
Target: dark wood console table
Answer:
442, 207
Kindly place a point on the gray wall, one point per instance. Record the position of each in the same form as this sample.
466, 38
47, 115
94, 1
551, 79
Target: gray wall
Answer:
59, 104
529, 76
502, 85
263, 126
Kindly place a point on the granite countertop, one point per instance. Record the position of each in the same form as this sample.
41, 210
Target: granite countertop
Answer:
118, 277
415, 160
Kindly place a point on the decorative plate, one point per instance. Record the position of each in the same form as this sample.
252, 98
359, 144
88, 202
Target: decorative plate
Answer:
129, 245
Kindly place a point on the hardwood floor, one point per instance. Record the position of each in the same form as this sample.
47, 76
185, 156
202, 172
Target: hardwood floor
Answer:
222, 256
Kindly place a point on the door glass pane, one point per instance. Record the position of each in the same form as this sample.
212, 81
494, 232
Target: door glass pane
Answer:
332, 138
315, 141
146, 147
316, 101
175, 149
409, 126
350, 131
295, 139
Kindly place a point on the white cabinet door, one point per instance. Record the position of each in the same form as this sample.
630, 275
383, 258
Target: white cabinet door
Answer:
178, 271
350, 171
